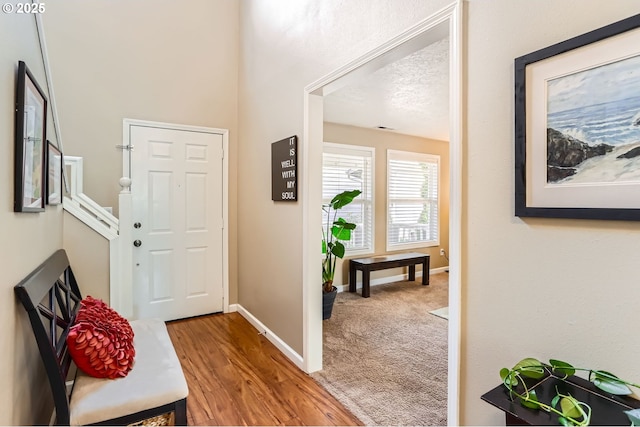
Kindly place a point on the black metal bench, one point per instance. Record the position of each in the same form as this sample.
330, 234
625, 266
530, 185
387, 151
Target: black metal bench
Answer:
155, 386
367, 265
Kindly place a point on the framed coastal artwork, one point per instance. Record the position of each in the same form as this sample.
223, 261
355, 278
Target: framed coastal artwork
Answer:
30, 143
577, 126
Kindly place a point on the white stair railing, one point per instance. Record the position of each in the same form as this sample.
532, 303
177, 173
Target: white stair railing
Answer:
83, 207
117, 232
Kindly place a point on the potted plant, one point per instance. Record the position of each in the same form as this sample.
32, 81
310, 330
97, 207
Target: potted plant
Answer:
569, 410
336, 230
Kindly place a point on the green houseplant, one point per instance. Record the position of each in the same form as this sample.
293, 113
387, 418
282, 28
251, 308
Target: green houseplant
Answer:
569, 410
336, 231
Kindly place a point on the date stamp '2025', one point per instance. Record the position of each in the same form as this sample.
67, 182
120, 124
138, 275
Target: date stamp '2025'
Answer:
23, 8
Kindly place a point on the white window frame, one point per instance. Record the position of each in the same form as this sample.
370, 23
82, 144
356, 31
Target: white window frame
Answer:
413, 157
354, 150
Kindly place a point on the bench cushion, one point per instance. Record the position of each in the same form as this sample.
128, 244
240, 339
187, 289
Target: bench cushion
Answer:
156, 379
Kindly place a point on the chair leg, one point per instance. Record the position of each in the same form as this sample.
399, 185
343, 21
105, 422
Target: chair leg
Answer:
181, 412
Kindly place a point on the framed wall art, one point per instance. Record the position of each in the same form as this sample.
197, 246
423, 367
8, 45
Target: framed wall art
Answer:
30, 147
577, 126
55, 163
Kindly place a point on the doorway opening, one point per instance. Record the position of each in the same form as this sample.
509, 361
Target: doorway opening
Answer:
419, 36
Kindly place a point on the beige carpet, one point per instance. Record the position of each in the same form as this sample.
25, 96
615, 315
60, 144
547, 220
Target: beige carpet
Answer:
385, 357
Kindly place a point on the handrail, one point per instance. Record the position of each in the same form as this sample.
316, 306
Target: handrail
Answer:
83, 207
99, 219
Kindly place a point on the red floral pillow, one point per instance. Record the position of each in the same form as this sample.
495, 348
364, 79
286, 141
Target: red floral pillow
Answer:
101, 341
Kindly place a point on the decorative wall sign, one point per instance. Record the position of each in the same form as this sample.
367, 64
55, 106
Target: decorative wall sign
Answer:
30, 146
284, 170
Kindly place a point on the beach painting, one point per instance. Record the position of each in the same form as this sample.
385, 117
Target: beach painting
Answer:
593, 125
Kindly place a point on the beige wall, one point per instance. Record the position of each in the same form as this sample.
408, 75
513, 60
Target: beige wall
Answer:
26, 239
545, 288
87, 252
573, 281
158, 60
153, 60
287, 45
381, 141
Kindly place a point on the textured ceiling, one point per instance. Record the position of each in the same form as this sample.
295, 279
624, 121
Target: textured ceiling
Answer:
409, 96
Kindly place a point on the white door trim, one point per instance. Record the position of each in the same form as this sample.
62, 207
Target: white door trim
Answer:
416, 36
126, 220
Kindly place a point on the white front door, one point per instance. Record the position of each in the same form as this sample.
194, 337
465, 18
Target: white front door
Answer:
177, 191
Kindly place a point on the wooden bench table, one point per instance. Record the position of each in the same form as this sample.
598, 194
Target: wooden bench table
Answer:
367, 265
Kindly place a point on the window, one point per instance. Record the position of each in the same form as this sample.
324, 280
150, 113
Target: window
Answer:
350, 167
412, 200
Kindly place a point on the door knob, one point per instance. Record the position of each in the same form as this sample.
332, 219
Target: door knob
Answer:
137, 225
137, 243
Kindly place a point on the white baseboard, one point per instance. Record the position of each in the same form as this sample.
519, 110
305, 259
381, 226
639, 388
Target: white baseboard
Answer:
273, 338
282, 346
390, 279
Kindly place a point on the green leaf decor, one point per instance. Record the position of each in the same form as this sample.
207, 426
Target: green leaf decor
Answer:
634, 416
608, 382
570, 411
561, 368
336, 231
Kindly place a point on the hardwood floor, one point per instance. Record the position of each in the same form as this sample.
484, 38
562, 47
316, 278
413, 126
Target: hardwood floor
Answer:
237, 377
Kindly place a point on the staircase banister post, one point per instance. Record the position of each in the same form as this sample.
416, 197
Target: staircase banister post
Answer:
124, 289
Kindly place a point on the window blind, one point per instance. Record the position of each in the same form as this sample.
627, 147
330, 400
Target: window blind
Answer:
349, 167
412, 198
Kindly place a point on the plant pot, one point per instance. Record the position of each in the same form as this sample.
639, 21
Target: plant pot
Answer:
327, 302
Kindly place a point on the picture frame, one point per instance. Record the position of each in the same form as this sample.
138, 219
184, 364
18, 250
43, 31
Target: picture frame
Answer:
30, 148
577, 126
55, 165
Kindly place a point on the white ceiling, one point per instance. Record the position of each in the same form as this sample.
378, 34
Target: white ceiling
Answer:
408, 96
